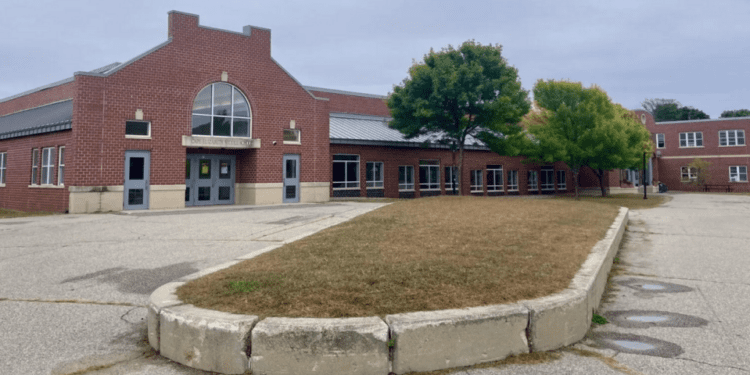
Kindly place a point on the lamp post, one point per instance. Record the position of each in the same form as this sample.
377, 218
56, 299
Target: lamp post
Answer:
644, 176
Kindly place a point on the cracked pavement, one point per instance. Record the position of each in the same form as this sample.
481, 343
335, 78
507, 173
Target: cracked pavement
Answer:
75, 287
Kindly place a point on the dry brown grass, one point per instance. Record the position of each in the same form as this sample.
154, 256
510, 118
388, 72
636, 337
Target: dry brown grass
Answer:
417, 255
8, 214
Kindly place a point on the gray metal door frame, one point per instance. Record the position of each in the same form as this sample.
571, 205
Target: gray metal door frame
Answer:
137, 178
291, 178
210, 180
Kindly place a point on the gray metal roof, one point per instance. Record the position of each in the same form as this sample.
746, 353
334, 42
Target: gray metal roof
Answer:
47, 118
346, 128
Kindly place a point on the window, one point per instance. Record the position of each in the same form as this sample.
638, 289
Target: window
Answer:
3, 166
476, 181
137, 129
291, 136
61, 166
346, 171
221, 110
48, 165
451, 178
512, 180
693, 139
548, 179
375, 174
405, 178
494, 178
561, 185
732, 138
533, 181
660, 141
688, 174
429, 175
35, 166
738, 173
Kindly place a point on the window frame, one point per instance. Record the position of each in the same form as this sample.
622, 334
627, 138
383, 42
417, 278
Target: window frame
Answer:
3, 167
738, 173
431, 169
231, 117
493, 172
406, 185
138, 136
691, 139
476, 176
550, 186
34, 166
61, 166
691, 172
374, 183
297, 134
450, 173
347, 183
662, 141
561, 183
513, 180
735, 136
533, 183
47, 166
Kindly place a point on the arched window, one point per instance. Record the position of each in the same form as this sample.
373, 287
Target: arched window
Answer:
220, 109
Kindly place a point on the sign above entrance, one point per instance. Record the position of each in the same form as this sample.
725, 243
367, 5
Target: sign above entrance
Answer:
219, 142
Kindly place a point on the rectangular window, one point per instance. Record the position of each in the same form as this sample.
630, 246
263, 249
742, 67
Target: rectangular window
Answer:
533, 181
451, 178
476, 181
291, 136
732, 138
561, 185
660, 143
512, 180
61, 166
691, 139
494, 178
406, 178
738, 173
138, 129
3, 166
35, 166
548, 179
346, 171
688, 174
374, 174
48, 165
429, 175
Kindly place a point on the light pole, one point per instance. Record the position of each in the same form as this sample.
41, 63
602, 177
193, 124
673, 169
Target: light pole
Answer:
644, 176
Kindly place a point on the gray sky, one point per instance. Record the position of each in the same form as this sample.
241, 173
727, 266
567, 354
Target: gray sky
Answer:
693, 51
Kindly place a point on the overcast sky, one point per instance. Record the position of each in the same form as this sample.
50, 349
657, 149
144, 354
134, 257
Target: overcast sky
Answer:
693, 51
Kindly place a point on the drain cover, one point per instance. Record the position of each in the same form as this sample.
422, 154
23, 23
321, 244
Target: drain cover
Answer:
650, 286
634, 344
652, 318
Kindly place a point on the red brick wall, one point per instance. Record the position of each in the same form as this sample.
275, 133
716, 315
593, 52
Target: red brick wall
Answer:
393, 157
16, 194
50, 95
355, 104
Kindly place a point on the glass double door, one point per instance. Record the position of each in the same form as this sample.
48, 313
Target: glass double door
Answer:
209, 179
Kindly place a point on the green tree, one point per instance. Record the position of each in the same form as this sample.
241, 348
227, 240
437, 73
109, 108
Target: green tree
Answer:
736, 113
459, 93
672, 110
702, 172
583, 128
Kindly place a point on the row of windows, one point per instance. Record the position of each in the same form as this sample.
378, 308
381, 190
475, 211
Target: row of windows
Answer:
737, 173
695, 139
346, 176
46, 167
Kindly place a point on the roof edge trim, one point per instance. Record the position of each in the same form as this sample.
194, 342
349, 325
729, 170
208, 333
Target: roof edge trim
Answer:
703, 120
342, 92
48, 128
362, 142
126, 63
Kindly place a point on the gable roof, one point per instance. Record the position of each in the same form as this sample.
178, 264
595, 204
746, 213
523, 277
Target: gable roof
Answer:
352, 129
47, 118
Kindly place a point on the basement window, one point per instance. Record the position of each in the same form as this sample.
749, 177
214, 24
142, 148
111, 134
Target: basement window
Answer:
137, 129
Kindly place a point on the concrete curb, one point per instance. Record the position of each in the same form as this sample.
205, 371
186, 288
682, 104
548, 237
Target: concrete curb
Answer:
419, 341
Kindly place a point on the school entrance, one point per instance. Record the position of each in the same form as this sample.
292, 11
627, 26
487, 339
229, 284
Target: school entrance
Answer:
209, 179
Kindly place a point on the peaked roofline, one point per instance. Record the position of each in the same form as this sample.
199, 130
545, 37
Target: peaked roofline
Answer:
342, 92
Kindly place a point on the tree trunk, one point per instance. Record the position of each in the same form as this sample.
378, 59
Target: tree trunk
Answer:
600, 174
460, 168
575, 180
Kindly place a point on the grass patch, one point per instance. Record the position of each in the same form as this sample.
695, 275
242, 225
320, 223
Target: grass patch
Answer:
631, 201
417, 255
598, 319
9, 214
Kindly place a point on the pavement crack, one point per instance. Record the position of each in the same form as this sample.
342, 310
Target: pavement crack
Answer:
609, 361
714, 365
72, 301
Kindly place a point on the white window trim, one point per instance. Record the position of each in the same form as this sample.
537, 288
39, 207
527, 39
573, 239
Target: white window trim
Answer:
375, 182
35, 161
60, 165
551, 182
132, 136
452, 171
346, 171
249, 118
298, 142
495, 187
477, 188
664, 141
695, 140
534, 187
564, 184
406, 184
744, 142
512, 187
692, 174
50, 166
3, 167
738, 174
430, 186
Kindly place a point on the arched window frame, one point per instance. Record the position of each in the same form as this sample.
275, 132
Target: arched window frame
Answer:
212, 116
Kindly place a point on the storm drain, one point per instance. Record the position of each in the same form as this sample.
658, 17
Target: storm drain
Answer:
652, 318
636, 344
649, 286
